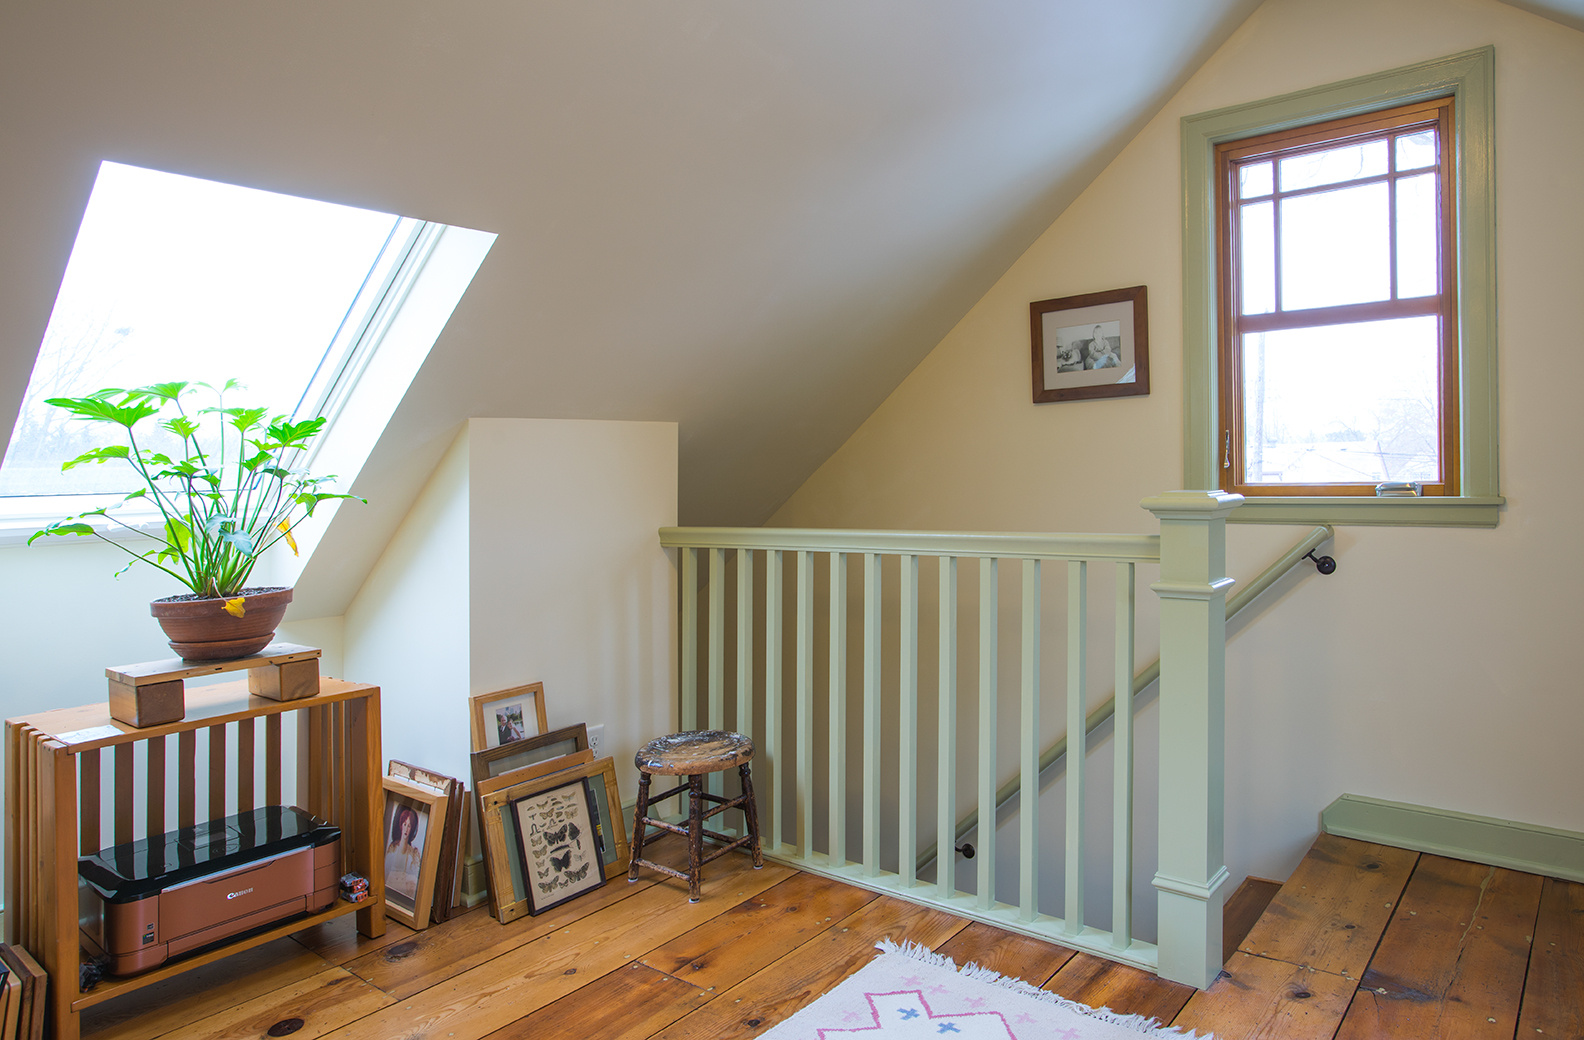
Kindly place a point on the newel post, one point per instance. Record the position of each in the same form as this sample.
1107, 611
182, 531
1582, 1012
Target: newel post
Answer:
1192, 877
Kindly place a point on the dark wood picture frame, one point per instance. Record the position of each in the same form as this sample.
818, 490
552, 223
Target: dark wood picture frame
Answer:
1090, 346
495, 761
543, 873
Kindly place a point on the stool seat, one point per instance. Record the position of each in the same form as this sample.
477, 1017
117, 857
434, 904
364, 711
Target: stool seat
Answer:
694, 755
689, 754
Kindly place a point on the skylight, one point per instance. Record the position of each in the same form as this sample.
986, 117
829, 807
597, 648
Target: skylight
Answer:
176, 278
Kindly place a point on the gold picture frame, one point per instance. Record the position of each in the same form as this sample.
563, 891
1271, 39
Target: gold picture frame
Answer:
412, 826
502, 853
507, 716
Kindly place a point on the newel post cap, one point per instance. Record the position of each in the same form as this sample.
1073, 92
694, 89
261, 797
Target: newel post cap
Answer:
1192, 505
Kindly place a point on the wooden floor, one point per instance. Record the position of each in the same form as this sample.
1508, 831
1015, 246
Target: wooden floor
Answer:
1362, 941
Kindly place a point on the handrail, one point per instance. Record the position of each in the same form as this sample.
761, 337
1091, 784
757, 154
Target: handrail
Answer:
1141, 680
970, 544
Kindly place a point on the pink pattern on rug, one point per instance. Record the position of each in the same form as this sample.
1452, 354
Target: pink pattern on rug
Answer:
905, 1013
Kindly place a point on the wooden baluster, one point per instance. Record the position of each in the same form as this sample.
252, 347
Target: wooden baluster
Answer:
988, 691
1077, 737
805, 703
838, 710
186, 778
770, 753
871, 724
690, 639
716, 678
272, 760
745, 612
946, 747
1122, 783
246, 748
89, 795
156, 786
123, 793
1028, 800
907, 744
217, 772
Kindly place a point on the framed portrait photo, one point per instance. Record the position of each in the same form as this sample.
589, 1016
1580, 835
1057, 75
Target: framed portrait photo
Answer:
1093, 345
412, 827
508, 716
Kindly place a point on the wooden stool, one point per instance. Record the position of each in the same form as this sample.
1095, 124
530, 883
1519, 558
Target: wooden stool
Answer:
694, 755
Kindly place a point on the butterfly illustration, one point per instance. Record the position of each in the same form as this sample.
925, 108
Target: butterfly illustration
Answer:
576, 875
561, 862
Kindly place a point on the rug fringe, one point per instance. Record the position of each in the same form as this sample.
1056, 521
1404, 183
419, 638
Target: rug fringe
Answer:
1138, 1023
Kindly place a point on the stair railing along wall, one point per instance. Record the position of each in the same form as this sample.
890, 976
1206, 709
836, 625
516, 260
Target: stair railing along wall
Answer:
857, 661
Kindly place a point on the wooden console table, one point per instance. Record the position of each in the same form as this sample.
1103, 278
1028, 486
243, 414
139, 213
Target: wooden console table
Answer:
55, 788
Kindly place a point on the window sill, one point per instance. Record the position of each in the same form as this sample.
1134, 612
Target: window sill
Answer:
1380, 512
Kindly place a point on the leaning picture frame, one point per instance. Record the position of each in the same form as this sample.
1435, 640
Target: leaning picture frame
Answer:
446, 896
412, 828
558, 845
504, 867
1090, 346
503, 758
507, 716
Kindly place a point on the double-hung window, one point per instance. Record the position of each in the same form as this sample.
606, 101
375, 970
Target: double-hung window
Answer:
1339, 300
1338, 343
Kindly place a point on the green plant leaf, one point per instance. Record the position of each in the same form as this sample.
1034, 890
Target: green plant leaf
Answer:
181, 426
99, 455
97, 409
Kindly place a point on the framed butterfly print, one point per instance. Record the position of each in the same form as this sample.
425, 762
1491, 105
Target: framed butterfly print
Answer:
558, 844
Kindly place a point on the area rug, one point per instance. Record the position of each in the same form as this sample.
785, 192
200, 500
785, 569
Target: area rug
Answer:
908, 991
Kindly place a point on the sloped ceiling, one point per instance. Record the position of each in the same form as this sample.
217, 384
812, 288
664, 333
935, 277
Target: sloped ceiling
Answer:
751, 218
1566, 12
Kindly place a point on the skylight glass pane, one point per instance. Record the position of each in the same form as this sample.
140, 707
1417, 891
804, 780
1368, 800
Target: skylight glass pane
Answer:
1336, 247
175, 278
1343, 404
1334, 165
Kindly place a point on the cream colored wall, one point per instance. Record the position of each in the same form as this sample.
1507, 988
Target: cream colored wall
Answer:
1435, 666
569, 585
406, 630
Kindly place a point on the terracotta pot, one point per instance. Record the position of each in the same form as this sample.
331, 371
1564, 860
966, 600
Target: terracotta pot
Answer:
203, 630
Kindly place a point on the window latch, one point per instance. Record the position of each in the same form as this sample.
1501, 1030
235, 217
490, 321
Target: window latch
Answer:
1226, 459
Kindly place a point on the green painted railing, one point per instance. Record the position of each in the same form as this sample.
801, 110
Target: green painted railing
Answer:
1007, 794
1190, 550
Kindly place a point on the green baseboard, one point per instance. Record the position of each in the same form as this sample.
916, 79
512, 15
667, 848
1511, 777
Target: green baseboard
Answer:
1478, 839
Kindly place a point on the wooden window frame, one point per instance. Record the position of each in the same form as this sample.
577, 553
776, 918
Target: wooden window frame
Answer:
1469, 79
1273, 147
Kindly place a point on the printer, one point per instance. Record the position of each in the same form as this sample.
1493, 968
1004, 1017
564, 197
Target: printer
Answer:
165, 895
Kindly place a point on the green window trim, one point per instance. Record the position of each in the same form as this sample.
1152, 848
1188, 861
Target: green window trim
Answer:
1469, 78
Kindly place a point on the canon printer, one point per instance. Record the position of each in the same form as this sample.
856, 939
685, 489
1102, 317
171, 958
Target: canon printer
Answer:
169, 894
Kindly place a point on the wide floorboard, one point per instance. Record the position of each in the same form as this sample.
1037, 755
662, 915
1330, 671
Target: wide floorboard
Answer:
1363, 941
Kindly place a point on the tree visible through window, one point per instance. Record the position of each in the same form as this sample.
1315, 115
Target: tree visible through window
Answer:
1338, 336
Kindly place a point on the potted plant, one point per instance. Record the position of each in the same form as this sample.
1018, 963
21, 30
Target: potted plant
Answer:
226, 492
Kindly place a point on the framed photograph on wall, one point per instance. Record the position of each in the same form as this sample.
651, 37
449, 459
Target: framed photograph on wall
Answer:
1093, 345
414, 820
507, 716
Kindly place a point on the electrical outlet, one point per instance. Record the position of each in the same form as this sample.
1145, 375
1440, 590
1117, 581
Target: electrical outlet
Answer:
596, 735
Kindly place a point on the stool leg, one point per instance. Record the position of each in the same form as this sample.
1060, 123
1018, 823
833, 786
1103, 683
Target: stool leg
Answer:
640, 825
695, 835
753, 815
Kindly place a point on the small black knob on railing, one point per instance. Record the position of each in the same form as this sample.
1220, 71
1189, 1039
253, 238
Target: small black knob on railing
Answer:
965, 850
1323, 564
